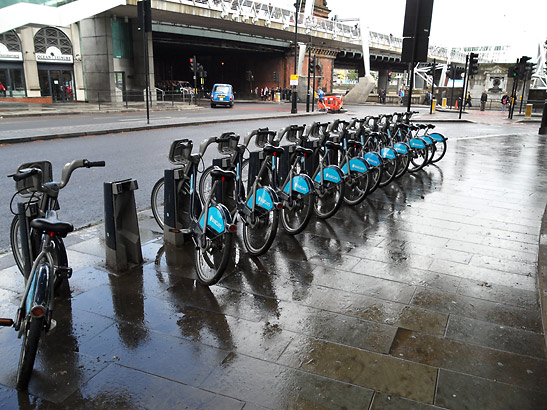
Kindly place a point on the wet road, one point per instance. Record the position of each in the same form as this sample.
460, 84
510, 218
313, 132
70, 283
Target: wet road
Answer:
424, 295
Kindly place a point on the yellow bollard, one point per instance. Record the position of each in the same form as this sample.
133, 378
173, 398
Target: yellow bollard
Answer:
444, 102
528, 110
433, 102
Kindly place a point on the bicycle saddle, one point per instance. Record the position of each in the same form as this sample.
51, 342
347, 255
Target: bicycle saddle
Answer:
333, 145
218, 173
271, 150
304, 152
53, 225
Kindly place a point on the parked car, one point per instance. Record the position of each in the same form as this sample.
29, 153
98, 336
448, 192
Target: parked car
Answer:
222, 94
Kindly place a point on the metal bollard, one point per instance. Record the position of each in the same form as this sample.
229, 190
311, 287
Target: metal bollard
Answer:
543, 127
122, 238
176, 206
529, 110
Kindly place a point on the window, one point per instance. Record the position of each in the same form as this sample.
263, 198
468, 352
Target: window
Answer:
121, 39
52, 37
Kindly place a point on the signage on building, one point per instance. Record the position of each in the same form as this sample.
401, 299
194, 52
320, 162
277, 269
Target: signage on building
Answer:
54, 55
5, 54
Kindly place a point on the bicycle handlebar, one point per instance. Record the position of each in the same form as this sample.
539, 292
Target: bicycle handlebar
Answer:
69, 168
25, 173
205, 143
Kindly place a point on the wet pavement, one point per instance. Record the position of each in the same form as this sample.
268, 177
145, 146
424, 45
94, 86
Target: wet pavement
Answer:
425, 296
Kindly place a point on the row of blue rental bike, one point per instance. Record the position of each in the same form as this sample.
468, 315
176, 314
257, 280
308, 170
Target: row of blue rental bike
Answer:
292, 174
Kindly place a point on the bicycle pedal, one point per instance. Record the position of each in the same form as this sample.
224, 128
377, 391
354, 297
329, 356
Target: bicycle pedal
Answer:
6, 322
52, 325
64, 272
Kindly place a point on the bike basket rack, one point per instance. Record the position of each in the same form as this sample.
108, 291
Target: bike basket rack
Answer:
180, 151
295, 133
263, 137
227, 143
28, 186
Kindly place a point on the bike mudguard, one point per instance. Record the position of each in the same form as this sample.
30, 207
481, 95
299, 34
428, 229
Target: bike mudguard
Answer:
435, 136
217, 218
373, 159
426, 139
417, 143
401, 148
356, 164
330, 173
301, 184
265, 198
38, 292
388, 153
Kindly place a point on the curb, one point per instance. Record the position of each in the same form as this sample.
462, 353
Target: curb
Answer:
17, 140
542, 273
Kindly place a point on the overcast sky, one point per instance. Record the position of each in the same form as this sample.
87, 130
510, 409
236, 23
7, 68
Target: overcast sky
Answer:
518, 23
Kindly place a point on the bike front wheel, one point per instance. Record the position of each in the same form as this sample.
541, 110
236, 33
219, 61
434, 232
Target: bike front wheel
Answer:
29, 347
296, 213
356, 189
328, 199
157, 199
402, 166
212, 256
259, 234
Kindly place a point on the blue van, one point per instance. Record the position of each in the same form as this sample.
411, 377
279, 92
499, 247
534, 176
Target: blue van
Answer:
222, 94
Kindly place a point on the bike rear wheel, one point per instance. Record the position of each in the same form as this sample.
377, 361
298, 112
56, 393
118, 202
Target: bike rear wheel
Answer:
388, 172
29, 347
356, 189
403, 163
212, 258
328, 199
440, 150
296, 213
418, 159
59, 253
258, 235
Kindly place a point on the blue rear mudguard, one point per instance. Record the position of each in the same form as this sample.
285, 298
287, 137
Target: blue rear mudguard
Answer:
266, 198
301, 183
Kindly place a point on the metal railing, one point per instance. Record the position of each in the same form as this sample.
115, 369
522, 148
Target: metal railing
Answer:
137, 99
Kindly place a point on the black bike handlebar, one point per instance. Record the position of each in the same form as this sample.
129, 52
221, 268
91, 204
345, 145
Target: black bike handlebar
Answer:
25, 173
90, 164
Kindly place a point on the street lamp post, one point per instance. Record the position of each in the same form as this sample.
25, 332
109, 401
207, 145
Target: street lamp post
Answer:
294, 109
309, 75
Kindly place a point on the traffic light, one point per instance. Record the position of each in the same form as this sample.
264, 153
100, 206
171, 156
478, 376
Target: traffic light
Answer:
389, 76
473, 63
513, 71
192, 65
312, 62
276, 77
522, 67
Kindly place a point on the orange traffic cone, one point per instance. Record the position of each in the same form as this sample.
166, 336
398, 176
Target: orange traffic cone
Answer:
456, 106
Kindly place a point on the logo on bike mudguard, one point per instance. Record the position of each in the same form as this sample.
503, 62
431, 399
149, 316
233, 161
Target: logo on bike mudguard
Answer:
401, 148
427, 140
387, 153
372, 159
263, 199
416, 143
436, 137
299, 184
355, 165
329, 174
214, 220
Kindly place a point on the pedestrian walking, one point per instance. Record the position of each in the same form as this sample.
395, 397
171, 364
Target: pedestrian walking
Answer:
2, 89
484, 98
504, 102
467, 100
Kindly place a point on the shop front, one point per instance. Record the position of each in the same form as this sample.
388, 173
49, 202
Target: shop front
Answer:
12, 75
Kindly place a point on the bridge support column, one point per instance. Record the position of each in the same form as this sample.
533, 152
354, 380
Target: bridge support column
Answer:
383, 80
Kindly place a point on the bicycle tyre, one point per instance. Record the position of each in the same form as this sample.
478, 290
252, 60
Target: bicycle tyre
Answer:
440, 146
259, 236
388, 172
295, 217
211, 262
418, 159
356, 189
328, 199
157, 200
60, 257
402, 166
29, 347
